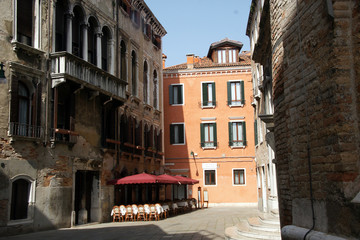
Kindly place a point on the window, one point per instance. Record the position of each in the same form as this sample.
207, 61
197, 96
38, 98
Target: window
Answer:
237, 134
239, 176
208, 94
146, 83
20, 198
236, 93
208, 135
232, 56
177, 133
156, 90
176, 94
210, 177
256, 132
134, 73
25, 20
221, 56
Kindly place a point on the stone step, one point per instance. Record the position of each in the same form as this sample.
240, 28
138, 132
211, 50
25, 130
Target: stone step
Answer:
231, 233
269, 219
244, 230
257, 224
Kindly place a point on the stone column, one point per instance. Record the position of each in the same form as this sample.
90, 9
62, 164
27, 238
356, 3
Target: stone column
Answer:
98, 49
69, 16
111, 46
85, 54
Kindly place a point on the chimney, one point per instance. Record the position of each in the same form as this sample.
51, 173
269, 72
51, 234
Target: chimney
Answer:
190, 61
164, 57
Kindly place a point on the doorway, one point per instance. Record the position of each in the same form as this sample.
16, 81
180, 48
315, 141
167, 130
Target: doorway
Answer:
87, 197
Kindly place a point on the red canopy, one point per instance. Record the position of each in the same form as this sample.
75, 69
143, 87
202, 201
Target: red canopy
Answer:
170, 178
186, 180
141, 178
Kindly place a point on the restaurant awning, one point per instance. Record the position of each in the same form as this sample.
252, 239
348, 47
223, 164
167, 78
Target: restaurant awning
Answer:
167, 177
141, 178
186, 180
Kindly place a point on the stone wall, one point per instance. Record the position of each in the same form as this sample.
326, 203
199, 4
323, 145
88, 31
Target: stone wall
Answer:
316, 99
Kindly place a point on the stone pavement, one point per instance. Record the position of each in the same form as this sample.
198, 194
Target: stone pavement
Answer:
204, 224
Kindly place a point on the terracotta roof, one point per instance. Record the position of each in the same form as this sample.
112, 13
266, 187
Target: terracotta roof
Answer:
205, 62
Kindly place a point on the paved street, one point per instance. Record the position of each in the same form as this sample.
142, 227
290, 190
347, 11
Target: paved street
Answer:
200, 224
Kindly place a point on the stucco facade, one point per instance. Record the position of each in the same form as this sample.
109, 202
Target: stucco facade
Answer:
81, 104
201, 114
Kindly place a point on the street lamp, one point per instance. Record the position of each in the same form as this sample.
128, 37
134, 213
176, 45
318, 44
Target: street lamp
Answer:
2, 73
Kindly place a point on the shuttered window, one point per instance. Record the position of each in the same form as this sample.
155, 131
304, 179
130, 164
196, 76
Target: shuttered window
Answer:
176, 94
208, 135
208, 95
177, 133
236, 95
237, 134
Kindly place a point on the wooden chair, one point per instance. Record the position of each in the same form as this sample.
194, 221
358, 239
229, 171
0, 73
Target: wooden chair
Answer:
141, 213
116, 213
153, 213
135, 210
129, 213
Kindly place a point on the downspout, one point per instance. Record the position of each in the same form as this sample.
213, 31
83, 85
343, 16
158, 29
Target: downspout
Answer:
308, 131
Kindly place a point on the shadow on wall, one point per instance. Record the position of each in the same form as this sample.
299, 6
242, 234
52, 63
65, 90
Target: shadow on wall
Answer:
108, 231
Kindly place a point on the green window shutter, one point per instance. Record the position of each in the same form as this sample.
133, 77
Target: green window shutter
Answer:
242, 92
244, 133
230, 134
229, 93
181, 133
215, 135
202, 134
180, 95
256, 132
172, 134
213, 94
205, 94
171, 94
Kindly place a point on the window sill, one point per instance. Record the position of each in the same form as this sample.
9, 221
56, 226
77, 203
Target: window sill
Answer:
177, 104
240, 105
20, 222
205, 107
177, 144
209, 148
235, 147
29, 49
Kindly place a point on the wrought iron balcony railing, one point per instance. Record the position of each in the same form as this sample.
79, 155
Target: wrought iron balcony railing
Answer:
25, 130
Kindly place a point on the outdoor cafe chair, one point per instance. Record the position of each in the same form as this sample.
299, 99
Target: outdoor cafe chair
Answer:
153, 213
141, 213
129, 213
116, 214
159, 210
122, 212
147, 210
135, 210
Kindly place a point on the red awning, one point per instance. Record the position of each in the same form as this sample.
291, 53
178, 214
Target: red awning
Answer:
186, 180
169, 178
141, 178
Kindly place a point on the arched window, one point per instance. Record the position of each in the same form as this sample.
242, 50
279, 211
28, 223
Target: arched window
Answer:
20, 198
156, 90
146, 83
105, 49
123, 61
133, 73
77, 36
92, 50
60, 40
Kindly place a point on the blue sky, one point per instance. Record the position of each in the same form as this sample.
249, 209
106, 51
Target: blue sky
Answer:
192, 25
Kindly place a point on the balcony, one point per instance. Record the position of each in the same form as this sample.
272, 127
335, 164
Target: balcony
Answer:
25, 130
66, 66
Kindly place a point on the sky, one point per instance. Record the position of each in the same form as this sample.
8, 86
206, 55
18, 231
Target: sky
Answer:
193, 25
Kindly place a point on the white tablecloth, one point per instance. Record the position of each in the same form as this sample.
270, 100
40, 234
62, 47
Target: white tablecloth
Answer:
165, 207
182, 204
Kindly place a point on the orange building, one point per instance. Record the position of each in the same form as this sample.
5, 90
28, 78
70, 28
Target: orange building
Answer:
209, 125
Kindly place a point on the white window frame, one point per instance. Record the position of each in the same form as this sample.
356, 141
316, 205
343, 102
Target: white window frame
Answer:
215, 143
216, 181
177, 144
183, 94
239, 185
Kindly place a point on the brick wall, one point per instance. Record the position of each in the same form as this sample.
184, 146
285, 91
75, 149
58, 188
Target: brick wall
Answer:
316, 99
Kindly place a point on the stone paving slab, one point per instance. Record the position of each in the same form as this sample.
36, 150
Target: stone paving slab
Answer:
201, 224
